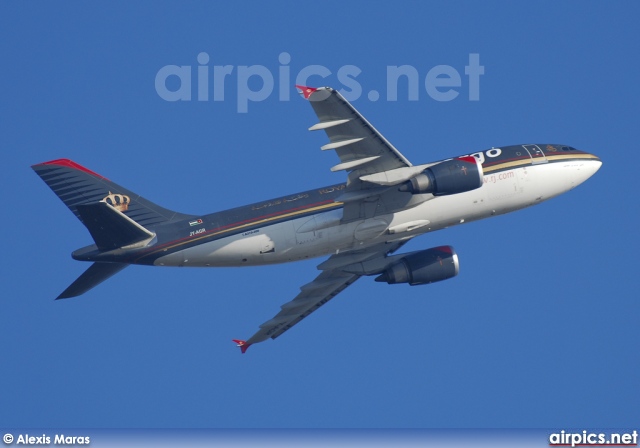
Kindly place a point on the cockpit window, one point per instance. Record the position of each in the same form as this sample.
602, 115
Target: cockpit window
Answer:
568, 148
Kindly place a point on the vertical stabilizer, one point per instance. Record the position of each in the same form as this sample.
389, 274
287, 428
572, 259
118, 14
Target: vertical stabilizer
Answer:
75, 185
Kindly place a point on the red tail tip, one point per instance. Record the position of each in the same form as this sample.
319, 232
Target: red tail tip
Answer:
71, 164
242, 344
306, 91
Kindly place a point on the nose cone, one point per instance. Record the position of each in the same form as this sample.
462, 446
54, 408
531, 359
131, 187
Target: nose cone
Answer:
584, 169
592, 167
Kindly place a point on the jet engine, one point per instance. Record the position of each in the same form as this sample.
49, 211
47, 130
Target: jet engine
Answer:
420, 268
448, 177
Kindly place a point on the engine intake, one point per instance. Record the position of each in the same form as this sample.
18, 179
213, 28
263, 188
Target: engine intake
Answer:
448, 177
420, 268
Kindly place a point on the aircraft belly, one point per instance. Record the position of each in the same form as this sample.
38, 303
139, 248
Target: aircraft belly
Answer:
268, 245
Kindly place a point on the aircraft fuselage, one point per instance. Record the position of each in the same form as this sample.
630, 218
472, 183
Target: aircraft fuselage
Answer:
308, 224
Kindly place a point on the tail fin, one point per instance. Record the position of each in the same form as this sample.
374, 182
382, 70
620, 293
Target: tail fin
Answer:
96, 274
115, 216
76, 185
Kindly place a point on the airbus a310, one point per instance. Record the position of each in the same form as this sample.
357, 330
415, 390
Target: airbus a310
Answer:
360, 223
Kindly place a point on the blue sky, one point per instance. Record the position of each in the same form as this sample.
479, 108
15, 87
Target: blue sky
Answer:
540, 329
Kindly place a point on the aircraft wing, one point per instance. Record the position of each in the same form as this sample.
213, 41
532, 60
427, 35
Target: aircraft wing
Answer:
358, 144
374, 167
338, 272
364, 153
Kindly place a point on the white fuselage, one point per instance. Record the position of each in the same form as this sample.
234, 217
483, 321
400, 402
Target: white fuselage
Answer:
502, 192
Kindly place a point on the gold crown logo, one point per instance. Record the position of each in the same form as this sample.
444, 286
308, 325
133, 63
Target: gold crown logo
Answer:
118, 201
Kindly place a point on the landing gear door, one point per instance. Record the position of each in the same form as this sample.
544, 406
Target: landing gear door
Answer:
537, 155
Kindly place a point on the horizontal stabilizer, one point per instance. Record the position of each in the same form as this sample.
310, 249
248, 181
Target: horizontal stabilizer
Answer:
96, 274
110, 228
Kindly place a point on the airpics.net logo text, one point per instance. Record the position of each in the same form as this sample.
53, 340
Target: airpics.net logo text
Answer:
255, 83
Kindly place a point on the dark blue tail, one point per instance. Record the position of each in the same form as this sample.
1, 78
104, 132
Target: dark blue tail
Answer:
76, 185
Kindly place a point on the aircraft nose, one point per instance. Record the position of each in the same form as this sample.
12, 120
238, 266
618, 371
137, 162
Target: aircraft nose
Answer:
595, 163
584, 169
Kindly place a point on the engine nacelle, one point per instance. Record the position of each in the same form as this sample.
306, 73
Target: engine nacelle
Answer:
448, 177
420, 268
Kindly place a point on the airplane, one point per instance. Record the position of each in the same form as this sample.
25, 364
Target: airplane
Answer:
359, 223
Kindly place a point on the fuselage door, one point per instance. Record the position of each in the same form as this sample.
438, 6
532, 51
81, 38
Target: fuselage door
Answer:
537, 155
